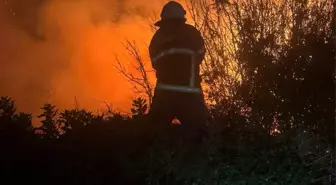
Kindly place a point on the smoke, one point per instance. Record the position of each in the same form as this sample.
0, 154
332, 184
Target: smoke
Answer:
56, 51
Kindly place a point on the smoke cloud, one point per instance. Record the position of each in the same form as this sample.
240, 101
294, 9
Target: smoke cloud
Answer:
56, 51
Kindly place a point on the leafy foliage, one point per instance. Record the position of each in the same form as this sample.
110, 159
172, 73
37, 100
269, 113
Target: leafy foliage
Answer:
140, 107
49, 124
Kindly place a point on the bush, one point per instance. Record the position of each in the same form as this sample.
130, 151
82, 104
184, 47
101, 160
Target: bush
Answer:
118, 150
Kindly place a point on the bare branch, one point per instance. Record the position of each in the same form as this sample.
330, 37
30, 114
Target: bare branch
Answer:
109, 107
140, 81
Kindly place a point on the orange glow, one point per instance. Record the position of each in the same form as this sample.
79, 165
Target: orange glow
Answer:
76, 60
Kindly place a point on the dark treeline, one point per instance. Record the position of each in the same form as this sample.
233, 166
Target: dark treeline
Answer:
273, 121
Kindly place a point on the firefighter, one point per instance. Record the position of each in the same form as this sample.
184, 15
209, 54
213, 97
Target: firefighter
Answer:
176, 51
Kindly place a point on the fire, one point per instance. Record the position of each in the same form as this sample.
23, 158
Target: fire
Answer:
92, 74
74, 59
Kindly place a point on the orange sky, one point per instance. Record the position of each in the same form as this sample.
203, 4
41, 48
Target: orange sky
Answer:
76, 57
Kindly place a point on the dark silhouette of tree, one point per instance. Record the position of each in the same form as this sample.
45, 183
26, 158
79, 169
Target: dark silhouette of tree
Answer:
247, 38
49, 121
11, 120
75, 119
272, 64
7, 107
139, 107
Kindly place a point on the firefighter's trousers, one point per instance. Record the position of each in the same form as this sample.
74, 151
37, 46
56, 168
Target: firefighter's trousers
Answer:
188, 108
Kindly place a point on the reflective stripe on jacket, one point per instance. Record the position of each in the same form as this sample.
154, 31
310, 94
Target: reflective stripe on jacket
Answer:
180, 88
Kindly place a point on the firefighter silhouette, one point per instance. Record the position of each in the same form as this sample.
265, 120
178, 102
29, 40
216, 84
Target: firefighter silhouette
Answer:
176, 51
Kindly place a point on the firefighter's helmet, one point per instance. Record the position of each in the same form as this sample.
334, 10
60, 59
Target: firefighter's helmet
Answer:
172, 10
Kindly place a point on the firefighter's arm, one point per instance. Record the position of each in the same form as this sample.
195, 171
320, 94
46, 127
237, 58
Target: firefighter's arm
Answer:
201, 51
153, 49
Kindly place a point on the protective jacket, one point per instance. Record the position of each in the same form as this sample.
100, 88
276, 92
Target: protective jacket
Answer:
176, 51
